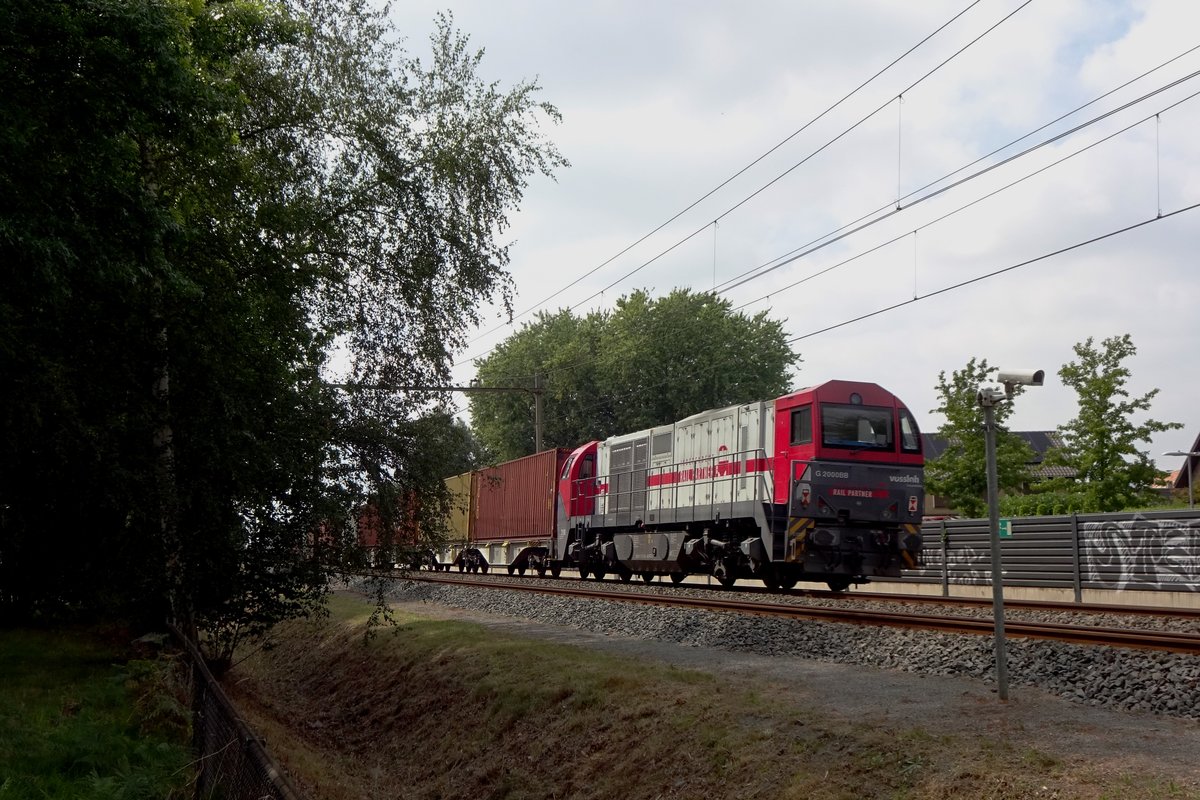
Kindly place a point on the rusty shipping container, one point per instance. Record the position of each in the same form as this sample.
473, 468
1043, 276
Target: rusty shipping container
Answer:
514, 501
461, 522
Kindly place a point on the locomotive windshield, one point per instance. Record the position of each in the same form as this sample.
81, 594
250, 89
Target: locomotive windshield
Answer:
858, 427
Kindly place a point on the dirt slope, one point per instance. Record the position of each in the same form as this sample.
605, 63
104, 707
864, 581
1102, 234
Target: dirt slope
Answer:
507, 709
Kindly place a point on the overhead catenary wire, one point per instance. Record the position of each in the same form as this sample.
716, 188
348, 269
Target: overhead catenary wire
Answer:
1018, 155
731, 178
802, 161
937, 192
993, 193
771, 265
974, 202
994, 273
725, 288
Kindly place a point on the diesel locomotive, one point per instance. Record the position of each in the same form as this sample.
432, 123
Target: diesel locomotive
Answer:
822, 485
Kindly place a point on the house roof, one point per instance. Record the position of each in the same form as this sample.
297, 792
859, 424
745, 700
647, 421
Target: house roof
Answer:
1181, 477
1040, 442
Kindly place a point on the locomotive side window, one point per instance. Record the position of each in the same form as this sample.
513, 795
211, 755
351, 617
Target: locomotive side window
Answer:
910, 436
587, 469
802, 425
858, 427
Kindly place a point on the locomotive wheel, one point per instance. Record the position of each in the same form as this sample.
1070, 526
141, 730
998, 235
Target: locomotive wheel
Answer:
677, 577
541, 571
556, 570
727, 580
598, 574
583, 572
838, 584
787, 581
770, 577
647, 577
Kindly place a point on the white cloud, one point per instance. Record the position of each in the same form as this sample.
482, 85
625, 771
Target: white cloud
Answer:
663, 101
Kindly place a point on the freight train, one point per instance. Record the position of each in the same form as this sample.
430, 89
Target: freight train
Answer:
823, 484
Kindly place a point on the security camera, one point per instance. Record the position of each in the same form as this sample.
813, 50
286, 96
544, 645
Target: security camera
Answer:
1022, 377
989, 394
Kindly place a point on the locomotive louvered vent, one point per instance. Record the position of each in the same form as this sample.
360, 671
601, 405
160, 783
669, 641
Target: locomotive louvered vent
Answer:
622, 456
662, 443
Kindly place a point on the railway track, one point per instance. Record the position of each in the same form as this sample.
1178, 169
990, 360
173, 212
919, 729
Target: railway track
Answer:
1078, 634
1047, 606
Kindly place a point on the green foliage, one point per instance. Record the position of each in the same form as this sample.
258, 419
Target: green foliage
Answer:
960, 473
1044, 503
648, 362
73, 725
1101, 442
198, 203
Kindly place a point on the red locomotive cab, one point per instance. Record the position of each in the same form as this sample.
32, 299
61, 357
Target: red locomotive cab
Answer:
842, 421
577, 482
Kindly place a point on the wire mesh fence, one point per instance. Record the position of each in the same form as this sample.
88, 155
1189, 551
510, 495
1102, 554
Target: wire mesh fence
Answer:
232, 762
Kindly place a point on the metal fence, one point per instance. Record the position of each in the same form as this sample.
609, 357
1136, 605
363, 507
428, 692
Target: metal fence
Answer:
1148, 551
232, 762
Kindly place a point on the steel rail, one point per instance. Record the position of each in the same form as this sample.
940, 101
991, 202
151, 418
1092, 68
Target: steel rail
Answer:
890, 597
1092, 635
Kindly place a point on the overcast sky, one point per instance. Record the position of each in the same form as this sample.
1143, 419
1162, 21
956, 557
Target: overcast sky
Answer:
664, 101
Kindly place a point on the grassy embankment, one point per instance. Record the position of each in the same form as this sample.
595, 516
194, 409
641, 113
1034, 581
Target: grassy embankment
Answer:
442, 709
79, 721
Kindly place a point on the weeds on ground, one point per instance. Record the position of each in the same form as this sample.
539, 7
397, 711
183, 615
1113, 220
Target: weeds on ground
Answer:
76, 723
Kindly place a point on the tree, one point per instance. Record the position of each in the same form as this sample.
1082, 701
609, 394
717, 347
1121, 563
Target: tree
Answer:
1100, 443
198, 202
960, 473
648, 362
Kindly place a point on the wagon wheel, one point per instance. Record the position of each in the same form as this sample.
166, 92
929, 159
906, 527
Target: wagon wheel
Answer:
647, 577
838, 584
625, 575
583, 572
520, 570
598, 574
511, 569
483, 568
555, 571
726, 579
677, 577
787, 581
541, 571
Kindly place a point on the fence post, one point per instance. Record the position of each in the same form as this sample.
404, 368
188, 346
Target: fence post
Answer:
241, 767
945, 565
1075, 553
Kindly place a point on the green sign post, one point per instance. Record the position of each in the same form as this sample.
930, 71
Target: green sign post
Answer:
1006, 529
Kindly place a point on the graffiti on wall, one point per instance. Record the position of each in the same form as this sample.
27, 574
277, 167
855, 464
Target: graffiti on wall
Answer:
1141, 553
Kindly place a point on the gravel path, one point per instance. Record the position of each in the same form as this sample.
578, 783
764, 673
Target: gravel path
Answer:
1132, 680
1126, 707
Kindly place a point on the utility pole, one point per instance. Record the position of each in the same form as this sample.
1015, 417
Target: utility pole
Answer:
993, 493
537, 412
988, 396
